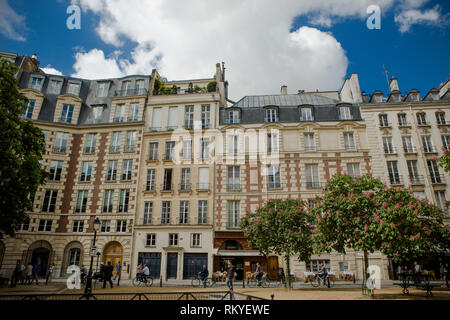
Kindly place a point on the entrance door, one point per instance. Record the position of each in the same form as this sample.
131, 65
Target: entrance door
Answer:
172, 265
113, 252
273, 267
41, 256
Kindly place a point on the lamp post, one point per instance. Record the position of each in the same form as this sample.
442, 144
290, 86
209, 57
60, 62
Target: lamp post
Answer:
88, 288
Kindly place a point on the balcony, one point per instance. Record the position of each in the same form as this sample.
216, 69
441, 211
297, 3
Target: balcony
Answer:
147, 221
443, 123
149, 187
184, 187
129, 148
114, 149
166, 187
107, 209
404, 124
59, 149
274, 185
390, 150
168, 157
416, 180
395, 179
385, 124
429, 149
313, 185
203, 187
423, 123
437, 179
89, 150
410, 150
130, 92
310, 148
233, 187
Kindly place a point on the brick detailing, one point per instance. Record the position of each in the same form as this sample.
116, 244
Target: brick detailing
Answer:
98, 176
288, 175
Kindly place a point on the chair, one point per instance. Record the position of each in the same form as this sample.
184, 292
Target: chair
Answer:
224, 276
217, 276
248, 276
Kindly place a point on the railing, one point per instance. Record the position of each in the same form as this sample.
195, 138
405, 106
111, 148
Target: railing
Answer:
423, 123
202, 186
89, 150
168, 156
233, 186
313, 185
129, 148
442, 122
404, 124
390, 150
150, 187
166, 187
429, 149
274, 185
185, 187
310, 148
114, 148
395, 179
384, 124
437, 178
416, 180
410, 149
130, 92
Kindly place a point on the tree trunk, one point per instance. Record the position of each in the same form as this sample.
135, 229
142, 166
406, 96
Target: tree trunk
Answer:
365, 277
288, 267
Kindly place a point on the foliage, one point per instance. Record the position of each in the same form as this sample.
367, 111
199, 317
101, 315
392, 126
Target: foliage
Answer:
212, 86
22, 145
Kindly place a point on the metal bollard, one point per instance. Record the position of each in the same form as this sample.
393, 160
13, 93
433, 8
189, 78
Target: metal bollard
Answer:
160, 281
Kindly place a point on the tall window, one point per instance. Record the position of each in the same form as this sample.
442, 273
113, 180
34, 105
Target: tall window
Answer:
440, 200
434, 171
271, 115
202, 211
126, 88
134, 112
233, 143
167, 183
383, 120
112, 170
127, 169
187, 149
388, 147
189, 117
66, 114
108, 201
45, 225
170, 147
48, 205
402, 120
394, 176
81, 201
233, 214
184, 212
173, 239
272, 143
344, 113
102, 89
274, 177
195, 239
446, 142
55, 86
312, 176
121, 226
120, 113
172, 121
150, 183
165, 212
203, 178
77, 226
131, 141
306, 114
413, 172
115, 142
156, 119
353, 169
407, 144
148, 213
421, 119
233, 117
185, 179
349, 141
28, 112
153, 151
309, 142
440, 118
234, 180
90, 143
427, 144
204, 145
55, 170
140, 87
86, 171
206, 116
106, 226
60, 142
123, 200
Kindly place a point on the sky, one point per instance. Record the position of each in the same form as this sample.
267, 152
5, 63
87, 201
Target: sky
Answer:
304, 44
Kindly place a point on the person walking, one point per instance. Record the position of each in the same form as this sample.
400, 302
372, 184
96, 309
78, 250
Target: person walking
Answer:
417, 272
15, 274
49, 273
35, 273
102, 271
108, 274
29, 273
230, 276
23, 273
118, 273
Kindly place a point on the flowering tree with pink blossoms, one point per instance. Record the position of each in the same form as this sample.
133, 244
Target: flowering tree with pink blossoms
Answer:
444, 161
282, 227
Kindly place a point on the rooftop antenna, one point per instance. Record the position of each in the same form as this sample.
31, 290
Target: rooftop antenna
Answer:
386, 72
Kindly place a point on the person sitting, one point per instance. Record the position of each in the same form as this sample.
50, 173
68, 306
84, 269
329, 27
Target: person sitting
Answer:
323, 273
203, 274
145, 273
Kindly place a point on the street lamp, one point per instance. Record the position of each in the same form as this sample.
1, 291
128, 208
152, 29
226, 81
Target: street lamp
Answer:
88, 288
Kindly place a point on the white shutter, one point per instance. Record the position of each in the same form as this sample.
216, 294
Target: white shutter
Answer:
203, 178
173, 117
156, 120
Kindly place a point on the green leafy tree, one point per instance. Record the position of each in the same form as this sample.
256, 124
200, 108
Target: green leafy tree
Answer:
281, 227
444, 161
22, 146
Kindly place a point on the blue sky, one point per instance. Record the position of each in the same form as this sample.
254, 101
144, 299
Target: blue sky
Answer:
342, 44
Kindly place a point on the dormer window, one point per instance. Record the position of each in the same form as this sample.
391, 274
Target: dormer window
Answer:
271, 115
97, 112
344, 113
66, 114
306, 114
102, 89
383, 120
233, 117
55, 86
36, 83
140, 87
73, 88
126, 87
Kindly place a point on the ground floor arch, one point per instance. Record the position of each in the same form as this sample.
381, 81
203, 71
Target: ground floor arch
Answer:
73, 255
113, 252
40, 252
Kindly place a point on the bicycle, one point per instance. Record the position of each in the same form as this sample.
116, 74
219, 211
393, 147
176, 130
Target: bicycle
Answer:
208, 282
317, 280
142, 280
253, 282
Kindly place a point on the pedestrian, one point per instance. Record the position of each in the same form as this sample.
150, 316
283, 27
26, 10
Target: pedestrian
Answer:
108, 274
399, 272
259, 273
15, 274
230, 276
102, 271
29, 273
35, 273
417, 272
23, 274
441, 272
118, 273
49, 273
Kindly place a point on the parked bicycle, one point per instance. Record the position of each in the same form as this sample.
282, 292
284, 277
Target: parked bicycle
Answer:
142, 280
208, 282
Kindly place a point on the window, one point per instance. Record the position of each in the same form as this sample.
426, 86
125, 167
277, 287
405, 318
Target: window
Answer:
195, 240
66, 114
274, 177
271, 115
73, 88
61, 142
126, 88
202, 211
151, 240
156, 119
49, 202
102, 89
148, 213
81, 201
25, 226
306, 114
353, 169
446, 142
123, 200
46, 135
434, 171
45, 225
314, 265
349, 141
312, 176
309, 142
187, 149
184, 212
131, 141
311, 204
402, 121
233, 214
36, 83
165, 212
97, 112
233, 117
204, 152
421, 119
170, 146
121, 226
112, 170
55, 86
120, 113
172, 122
272, 143
388, 147
90, 143
440, 118
440, 200
343, 266
427, 144
86, 171
134, 112
29, 108
78, 226
55, 170
344, 113
115, 142
185, 179
383, 120
167, 182
394, 176
150, 183
189, 117
106, 226
140, 87
407, 144
413, 172
203, 178
74, 256
108, 201
233, 144
153, 151
173, 239
234, 179
206, 116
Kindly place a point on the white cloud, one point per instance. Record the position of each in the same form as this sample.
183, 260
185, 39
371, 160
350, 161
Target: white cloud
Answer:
94, 65
50, 70
407, 18
10, 21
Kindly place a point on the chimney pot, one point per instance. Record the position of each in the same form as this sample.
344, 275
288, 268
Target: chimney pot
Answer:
283, 89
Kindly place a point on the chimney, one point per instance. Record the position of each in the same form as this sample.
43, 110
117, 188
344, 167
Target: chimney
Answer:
393, 84
283, 90
35, 60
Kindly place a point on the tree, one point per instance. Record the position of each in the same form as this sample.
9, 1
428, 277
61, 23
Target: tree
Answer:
444, 161
281, 227
22, 145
